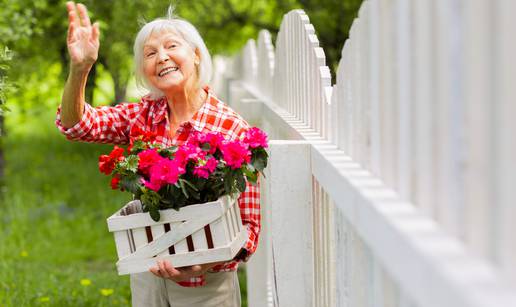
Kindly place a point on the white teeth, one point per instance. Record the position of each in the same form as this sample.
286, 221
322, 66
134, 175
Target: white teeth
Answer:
167, 70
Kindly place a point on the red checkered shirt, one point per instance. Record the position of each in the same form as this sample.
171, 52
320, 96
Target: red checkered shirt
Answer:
107, 124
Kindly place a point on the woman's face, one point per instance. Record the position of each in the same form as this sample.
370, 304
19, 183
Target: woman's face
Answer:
168, 61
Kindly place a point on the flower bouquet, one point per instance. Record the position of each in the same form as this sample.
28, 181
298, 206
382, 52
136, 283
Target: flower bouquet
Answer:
201, 170
184, 197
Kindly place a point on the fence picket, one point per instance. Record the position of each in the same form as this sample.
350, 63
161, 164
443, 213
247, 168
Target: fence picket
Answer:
412, 153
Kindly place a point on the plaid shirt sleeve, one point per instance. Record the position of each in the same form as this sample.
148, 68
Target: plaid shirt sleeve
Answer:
249, 203
103, 124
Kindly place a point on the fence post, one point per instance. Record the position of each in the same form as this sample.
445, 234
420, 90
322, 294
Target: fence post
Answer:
288, 185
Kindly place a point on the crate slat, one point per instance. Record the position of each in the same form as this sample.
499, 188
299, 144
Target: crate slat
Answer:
180, 236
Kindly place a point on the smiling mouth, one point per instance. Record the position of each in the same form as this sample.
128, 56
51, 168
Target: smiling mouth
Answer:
167, 71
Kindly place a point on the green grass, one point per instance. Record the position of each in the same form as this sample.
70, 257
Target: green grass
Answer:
53, 230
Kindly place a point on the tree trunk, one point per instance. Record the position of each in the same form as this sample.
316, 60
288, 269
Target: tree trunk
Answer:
120, 90
120, 86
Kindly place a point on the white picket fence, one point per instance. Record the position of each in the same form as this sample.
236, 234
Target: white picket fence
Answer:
396, 186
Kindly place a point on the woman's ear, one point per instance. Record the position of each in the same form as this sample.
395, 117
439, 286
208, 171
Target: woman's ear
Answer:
197, 59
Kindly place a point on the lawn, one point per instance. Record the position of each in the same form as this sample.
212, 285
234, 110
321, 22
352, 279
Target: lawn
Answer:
55, 249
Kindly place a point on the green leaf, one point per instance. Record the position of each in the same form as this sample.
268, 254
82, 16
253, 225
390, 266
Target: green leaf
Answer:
228, 181
206, 146
130, 163
191, 185
138, 146
154, 213
150, 198
251, 174
168, 152
131, 183
241, 184
259, 159
183, 187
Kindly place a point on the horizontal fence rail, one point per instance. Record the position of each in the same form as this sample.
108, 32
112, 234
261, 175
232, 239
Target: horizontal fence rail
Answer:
405, 195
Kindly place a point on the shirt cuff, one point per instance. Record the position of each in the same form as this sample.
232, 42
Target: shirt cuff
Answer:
242, 255
81, 128
245, 253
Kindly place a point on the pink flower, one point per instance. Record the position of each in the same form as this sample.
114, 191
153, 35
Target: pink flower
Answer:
215, 139
195, 137
255, 137
153, 185
235, 153
188, 152
164, 172
147, 159
205, 168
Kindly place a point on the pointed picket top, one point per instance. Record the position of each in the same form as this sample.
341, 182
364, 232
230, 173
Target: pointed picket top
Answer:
249, 62
302, 81
265, 61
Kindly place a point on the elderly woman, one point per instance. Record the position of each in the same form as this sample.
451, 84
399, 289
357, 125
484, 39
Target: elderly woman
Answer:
174, 65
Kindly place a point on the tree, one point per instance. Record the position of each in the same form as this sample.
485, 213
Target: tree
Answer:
332, 20
225, 25
11, 13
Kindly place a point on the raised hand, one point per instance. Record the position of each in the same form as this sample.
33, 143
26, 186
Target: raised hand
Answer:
83, 38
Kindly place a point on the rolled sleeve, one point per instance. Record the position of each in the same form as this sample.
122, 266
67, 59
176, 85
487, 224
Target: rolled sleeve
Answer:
79, 130
104, 124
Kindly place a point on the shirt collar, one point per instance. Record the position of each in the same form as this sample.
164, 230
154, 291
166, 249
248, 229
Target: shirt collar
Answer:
197, 121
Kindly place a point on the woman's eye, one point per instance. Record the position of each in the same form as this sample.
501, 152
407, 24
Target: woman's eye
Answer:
171, 46
150, 54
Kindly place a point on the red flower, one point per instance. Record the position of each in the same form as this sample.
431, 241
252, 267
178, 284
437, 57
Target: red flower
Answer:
146, 136
114, 182
138, 134
255, 138
107, 163
106, 166
147, 159
235, 153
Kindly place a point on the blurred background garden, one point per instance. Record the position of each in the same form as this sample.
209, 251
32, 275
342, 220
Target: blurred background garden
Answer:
55, 249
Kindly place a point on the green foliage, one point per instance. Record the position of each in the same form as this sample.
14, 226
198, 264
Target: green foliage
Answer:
54, 208
55, 247
259, 159
131, 183
39, 37
5, 58
332, 20
130, 164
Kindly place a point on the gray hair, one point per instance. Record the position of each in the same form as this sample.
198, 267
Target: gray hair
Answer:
188, 32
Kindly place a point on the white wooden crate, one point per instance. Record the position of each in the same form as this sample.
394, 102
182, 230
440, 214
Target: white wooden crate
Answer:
195, 234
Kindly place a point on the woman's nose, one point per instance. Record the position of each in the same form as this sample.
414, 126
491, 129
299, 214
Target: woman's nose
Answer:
162, 56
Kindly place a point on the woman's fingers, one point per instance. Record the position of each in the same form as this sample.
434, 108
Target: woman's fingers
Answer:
165, 269
72, 15
69, 37
162, 269
168, 270
83, 14
95, 32
196, 268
